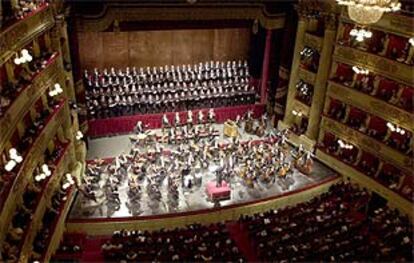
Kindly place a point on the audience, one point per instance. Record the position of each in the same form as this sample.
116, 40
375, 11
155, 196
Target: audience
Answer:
341, 225
190, 244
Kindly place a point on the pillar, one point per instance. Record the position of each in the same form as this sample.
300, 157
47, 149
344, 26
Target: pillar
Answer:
318, 99
265, 67
300, 34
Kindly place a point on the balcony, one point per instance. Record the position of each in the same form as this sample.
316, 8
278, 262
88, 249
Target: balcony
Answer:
347, 170
313, 41
307, 76
27, 97
368, 144
42, 198
371, 105
387, 67
22, 31
16, 182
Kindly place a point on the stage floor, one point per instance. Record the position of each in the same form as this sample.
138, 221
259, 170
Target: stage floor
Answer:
189, 200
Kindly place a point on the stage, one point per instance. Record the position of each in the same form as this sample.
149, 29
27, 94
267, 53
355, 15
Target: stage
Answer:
190, 201
125, 124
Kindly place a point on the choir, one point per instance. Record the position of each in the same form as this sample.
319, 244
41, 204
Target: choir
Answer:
111, 93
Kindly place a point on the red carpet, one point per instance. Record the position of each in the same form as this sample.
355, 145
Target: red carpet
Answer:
239, 234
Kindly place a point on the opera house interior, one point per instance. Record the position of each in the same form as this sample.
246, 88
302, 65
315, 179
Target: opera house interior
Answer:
206, 130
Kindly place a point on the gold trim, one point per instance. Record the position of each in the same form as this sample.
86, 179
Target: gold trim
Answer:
27, 98
393, 23
36, 222
23, 32
107, 228
33, 157
368, 144
307, 76
200, 12
298, 105
313, 41
371, 105
392, 69
393, 198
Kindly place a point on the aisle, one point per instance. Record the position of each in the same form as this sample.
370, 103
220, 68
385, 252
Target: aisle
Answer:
238, 232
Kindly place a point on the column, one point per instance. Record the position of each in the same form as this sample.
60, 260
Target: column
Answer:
321, 78
300, 34
265, 67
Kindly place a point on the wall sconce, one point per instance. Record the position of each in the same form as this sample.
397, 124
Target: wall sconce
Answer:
79, 135
360, 34
56, 90
15, 158
307, 52
297, 113
395, 128
360, 71
68, 181
25, 57
344, 145
411, 41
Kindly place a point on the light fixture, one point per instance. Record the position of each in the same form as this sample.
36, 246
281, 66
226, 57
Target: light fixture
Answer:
79, 135
15, 156
344, 145
68, 181
307, 52
24, 58
411, 41
297, 113
395, 128
10, 165
360, 34
367, 12
57, 89
360, 71
46, 170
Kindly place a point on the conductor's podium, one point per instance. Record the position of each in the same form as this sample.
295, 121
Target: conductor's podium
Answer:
217, 193
230, 129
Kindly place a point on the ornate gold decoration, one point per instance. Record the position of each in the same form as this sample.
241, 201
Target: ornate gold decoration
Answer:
395, 199
313, 41
24, 101
28, 165
368, 144
24, 31
307, 76
386, 67
142, 12
371, 105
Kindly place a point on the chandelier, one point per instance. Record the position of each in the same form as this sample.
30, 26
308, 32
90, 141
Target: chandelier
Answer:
369, 11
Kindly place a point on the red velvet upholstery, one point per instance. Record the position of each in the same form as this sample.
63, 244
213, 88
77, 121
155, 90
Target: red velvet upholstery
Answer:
378, 124
126, 124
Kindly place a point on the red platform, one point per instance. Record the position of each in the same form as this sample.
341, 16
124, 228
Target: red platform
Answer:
126, 124
215, 192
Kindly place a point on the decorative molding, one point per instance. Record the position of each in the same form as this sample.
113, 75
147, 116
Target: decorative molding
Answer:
36, 151
47, 193
368, 144
384, 66
175, 13
20, 33
307, 76
393, 198
313, 41
371, 105
298, 105
22, 104
393, 23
